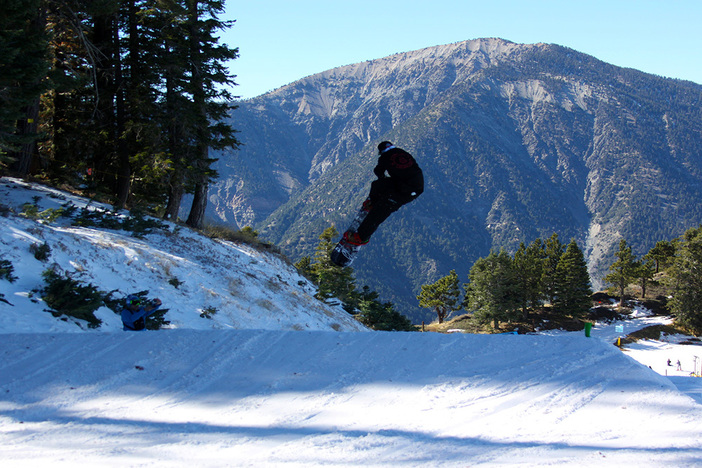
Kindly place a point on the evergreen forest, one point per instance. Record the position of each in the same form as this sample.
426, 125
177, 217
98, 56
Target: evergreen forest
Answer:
122, 99
546, 278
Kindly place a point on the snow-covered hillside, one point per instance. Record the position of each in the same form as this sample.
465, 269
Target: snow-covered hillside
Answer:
278, 379
246, 287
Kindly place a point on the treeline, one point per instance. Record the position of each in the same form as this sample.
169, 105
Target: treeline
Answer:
508, 288
676, 265
339, 283
504, 288
122, 98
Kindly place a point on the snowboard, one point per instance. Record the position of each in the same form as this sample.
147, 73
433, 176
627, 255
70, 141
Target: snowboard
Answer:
345, 253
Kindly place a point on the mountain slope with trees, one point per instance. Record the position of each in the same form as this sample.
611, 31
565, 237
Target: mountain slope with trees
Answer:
516, 141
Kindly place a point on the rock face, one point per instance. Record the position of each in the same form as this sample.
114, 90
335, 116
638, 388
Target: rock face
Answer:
516, 142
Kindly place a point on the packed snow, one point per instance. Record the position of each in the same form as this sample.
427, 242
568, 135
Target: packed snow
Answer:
277, 378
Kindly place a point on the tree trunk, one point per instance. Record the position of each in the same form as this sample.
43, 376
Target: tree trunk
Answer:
103, 158
622, 287
26, 128
176, 147
175, 195
197, 211
124, 170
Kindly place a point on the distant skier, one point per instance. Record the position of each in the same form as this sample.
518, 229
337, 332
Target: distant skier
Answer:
136, 310
400, 181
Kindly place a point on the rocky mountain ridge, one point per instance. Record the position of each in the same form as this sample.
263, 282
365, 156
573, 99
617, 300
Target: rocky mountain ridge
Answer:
517, 142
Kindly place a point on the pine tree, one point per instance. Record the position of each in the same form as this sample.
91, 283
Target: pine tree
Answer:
24, 59
553, 250
333, 281
380, 316
646, 272
68, 108
141, 163
685, 281
67, 296
662, 254
104, 58
528, 268
304, 266
443, 296
573, 293
623, 270
492, 293
210, 98
174, 63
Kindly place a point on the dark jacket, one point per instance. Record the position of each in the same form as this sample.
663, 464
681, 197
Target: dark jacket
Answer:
404, 172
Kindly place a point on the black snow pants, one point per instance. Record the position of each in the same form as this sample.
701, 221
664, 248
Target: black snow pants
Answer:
386, 199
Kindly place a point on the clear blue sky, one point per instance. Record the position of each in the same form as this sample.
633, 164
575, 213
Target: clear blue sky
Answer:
281, 41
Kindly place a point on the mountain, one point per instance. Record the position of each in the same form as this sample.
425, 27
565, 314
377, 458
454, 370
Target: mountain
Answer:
517, 141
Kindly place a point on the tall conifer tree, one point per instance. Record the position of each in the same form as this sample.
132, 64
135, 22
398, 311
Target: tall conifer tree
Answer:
105, 57
646, 273
68, 108
23, 55
623, 271
333, 281
662, 254
492, 293
553, 250
573, 290
210, 99
143, 156
174, 62
528, 269
685, 281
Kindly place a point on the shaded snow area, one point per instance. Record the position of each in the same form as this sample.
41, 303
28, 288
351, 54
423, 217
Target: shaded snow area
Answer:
276, 378
277, 398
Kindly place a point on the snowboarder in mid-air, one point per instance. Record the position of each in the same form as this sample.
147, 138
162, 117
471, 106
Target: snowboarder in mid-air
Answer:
400, 181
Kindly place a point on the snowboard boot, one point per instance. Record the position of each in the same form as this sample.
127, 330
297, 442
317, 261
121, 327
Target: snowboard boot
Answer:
354, 239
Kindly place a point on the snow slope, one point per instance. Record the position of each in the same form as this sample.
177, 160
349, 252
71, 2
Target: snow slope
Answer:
280, 385
248, 288
277, 398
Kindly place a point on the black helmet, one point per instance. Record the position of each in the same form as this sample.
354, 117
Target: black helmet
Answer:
384, 146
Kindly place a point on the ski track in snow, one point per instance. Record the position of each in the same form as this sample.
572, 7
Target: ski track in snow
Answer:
276, 398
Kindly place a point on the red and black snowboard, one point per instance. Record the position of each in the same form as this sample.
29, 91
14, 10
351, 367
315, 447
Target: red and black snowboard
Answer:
345, 252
